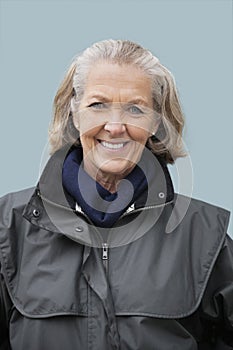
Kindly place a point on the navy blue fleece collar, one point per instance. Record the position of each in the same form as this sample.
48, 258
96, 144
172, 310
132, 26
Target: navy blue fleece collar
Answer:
101, 206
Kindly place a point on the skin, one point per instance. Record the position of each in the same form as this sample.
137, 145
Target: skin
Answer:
109, 88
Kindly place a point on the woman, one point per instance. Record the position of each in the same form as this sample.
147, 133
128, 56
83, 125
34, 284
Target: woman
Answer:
102, 254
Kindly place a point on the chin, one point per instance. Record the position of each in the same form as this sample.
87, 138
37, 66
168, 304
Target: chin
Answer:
117, 169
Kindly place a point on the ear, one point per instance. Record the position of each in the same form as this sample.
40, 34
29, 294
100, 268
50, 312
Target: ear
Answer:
74, 114
75, 122
155, 126
72, 105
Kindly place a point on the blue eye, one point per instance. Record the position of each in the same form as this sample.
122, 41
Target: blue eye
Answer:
135, 110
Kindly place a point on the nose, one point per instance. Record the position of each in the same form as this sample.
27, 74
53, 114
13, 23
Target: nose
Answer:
115, 128
114, 125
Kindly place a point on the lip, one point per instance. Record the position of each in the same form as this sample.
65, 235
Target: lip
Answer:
104, 143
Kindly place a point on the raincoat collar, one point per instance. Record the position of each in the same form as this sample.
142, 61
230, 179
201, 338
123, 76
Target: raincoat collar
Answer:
160, 189
101, 206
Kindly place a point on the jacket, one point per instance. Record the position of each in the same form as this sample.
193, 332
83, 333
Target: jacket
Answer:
66, 285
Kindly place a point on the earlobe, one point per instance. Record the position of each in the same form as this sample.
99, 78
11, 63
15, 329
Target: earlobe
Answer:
153, 137
155, 128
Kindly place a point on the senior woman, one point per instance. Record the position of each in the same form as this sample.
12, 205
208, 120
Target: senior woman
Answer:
87, 261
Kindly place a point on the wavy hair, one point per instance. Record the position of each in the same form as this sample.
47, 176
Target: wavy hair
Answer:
167, 141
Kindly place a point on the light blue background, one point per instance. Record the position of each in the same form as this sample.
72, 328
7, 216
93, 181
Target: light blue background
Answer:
38, 40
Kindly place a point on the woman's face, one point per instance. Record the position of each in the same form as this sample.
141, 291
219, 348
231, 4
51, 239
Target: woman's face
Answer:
115, 118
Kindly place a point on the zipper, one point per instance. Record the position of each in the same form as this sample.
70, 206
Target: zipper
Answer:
105, 246
132, 211
144, 208
44, 199
105, 255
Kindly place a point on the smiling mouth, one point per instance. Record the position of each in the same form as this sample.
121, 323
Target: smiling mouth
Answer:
112, 146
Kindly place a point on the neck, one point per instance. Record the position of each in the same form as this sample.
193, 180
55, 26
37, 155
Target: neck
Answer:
108, 181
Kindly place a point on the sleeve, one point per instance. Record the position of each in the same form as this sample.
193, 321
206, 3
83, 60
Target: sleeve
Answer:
217, 302
5, 307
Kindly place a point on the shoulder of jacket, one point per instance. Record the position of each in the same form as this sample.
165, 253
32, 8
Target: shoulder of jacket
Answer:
15, 200
11, 207
17, 196
202, 214
199, 203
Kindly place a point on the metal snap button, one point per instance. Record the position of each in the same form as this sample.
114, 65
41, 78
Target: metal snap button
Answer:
36, 213
79, 229
161, 195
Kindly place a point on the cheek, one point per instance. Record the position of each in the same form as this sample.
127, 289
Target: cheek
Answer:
87, 142
87, 125
88, 135
138, 134
89, 129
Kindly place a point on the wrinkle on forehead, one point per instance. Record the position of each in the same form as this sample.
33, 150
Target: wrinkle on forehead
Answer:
118, 83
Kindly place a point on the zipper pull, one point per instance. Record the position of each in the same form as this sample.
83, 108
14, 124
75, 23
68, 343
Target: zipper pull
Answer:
131, 208
105, 251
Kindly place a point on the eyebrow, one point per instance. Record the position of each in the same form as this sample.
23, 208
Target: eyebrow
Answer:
99, 97
139, 100
134, 100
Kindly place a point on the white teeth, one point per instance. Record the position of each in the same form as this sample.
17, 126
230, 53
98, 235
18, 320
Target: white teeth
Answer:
112, 145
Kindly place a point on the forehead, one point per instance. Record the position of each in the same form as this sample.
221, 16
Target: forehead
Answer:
117, 80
